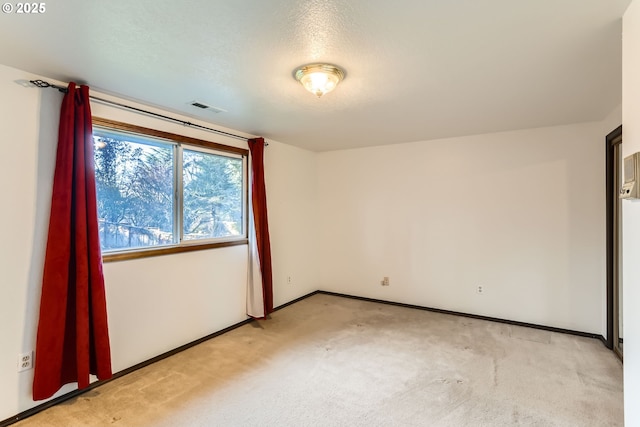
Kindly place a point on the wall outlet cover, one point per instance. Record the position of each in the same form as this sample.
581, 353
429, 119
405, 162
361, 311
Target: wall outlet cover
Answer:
25, 361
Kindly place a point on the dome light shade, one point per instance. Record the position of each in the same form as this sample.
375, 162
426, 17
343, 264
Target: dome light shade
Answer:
319, 78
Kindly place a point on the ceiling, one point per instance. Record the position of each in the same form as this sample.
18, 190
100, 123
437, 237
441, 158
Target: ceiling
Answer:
416, 69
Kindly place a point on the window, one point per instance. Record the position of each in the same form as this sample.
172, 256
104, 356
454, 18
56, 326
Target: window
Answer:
159, 193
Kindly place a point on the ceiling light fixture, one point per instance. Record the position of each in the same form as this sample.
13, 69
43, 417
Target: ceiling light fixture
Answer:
319, 78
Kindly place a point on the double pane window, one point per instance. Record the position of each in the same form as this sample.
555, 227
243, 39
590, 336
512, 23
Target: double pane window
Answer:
156, 192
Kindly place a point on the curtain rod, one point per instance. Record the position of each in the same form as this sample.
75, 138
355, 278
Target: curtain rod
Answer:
43, 84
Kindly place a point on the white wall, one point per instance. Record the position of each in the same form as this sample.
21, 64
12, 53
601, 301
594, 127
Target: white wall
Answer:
521, 214
631, 214
154, 304
291, 176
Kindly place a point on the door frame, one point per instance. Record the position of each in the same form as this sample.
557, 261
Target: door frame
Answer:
611, 198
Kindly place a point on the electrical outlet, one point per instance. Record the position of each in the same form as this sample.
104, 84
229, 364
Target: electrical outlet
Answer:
25, 361
480, 289
385, 281
289, 280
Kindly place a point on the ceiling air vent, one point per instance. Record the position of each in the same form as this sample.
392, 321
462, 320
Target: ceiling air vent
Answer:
204, 106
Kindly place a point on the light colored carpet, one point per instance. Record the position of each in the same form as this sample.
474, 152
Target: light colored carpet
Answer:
333, 361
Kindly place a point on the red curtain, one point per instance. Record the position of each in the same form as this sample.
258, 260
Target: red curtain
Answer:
73, 338
259, 201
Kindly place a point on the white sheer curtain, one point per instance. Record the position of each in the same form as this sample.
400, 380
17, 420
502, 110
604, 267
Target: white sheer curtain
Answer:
255, 294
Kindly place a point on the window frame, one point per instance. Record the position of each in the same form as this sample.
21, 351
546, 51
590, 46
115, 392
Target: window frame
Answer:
180, 140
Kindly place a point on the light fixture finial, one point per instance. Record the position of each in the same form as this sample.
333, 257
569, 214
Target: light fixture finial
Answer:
319, 79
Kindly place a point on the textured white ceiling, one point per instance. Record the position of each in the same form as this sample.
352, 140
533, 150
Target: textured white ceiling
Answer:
416, 70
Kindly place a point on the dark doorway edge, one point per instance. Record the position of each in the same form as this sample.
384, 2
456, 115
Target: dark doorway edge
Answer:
611, 195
